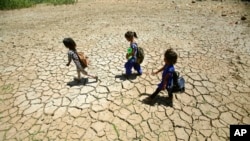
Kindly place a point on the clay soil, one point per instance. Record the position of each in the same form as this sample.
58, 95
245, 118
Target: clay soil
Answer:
211, 38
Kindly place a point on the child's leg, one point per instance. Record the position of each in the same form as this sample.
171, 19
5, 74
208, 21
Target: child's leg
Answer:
86, 73
151, 97
157, 91
170, 93
78, 74
128, 66
137, 67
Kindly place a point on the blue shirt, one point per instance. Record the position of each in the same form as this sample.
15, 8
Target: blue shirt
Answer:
168, 70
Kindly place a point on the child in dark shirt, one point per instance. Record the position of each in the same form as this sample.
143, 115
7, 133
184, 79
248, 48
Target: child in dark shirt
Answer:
170, 58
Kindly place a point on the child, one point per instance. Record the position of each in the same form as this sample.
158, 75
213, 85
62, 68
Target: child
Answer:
170, 58
72, 55
131, 55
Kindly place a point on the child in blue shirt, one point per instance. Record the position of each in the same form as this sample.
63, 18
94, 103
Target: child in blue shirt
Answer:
131, 55
170, 58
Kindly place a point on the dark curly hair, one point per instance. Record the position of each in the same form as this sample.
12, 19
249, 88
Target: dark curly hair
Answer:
69, 43
171, 56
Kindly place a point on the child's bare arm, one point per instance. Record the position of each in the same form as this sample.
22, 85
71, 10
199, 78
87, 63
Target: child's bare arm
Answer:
161, 69
69, 60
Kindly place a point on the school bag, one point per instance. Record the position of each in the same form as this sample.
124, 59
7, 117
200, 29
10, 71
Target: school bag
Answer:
178, 82
83, 59
140, 55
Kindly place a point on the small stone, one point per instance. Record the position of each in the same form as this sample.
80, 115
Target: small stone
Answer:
193, 1
243, 18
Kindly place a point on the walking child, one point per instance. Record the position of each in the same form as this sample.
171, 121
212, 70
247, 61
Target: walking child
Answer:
170, 58
73, 55
131, 55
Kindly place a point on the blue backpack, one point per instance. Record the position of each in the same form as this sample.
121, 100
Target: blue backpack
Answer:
178, 82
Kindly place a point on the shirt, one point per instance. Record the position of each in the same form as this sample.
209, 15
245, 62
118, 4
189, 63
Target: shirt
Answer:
73, 56
134, 47
168, 70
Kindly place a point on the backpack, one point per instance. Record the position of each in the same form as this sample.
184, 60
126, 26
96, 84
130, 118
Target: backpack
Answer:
178, 82
140, 55
83, 59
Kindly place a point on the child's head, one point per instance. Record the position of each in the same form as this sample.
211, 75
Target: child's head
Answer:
170, 57
69, 43
130, 35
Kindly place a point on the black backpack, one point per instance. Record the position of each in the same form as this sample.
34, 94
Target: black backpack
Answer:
178, 83
139, 55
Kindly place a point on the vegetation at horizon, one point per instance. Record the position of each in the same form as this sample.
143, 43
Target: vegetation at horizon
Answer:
17, 4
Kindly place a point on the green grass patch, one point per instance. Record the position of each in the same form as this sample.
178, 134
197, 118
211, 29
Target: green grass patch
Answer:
116, 131
6, 88
17, 4
208, 113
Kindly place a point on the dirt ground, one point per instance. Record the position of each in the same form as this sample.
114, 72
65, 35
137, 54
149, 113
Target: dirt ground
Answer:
212, 40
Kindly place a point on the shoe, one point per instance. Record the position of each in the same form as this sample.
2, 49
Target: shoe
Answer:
85, 81
170, 96
139, 73
96, 78
77, 79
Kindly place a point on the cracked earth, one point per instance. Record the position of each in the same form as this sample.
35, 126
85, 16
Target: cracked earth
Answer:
212, 42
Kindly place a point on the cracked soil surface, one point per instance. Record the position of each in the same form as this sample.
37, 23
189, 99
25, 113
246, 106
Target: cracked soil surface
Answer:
212, 42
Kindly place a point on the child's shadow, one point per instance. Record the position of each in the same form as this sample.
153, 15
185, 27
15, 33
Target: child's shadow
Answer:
160, 100
124, 77
82, 81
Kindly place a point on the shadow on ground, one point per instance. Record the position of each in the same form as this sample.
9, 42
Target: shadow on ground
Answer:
159, 100
124, 77
83, 81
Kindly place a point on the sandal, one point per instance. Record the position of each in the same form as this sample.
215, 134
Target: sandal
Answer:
96, 78
77, 79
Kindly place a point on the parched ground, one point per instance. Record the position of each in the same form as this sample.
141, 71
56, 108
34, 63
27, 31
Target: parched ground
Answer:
212, 42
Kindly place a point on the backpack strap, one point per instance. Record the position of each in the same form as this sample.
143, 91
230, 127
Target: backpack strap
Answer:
172, 76
136, 47
79, 59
